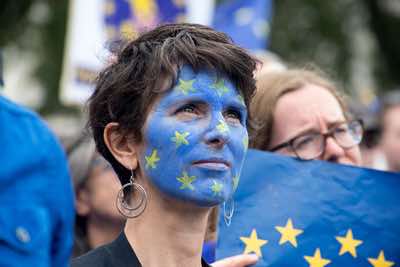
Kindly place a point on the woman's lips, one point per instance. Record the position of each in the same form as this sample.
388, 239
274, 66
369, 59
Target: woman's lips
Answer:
213, 164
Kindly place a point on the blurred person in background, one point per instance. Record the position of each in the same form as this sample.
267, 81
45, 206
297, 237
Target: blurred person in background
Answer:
390, 130
96, 187
36, 197
371, 152
302, 114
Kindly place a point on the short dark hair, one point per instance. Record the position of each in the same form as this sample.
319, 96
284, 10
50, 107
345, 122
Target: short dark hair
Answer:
148, 66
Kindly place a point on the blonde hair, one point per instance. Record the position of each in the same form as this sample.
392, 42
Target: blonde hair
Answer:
271, 87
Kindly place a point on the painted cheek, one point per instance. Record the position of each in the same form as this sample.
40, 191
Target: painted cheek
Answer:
238, 145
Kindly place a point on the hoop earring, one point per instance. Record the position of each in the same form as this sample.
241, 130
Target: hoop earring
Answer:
123, 201
229, 208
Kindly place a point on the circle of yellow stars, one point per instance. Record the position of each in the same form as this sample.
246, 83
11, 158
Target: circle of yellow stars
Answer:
289, 234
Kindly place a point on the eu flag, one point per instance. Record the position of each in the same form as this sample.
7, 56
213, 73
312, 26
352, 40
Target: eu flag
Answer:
247, 22
127, 18
313, 213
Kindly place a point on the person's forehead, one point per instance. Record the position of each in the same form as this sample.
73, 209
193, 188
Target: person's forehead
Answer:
392, 115
308, 108
203, 84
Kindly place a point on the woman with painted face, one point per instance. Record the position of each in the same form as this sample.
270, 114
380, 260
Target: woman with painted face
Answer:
302, 114
170, 116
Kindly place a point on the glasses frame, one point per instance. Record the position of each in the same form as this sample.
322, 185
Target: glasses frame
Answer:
329, 133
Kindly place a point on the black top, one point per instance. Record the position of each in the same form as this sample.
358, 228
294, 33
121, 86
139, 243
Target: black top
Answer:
118, 253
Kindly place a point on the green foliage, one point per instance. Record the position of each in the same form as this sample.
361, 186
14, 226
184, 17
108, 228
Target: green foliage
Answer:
321, 31
51, 53
13, 19
302, 31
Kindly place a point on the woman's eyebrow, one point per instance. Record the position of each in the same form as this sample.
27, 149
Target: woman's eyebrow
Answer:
336, 123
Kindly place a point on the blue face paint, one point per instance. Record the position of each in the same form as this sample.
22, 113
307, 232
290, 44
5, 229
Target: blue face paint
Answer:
196, 139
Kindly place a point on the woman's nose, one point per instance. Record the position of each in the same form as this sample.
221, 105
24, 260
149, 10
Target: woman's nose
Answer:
333, 151
217, 134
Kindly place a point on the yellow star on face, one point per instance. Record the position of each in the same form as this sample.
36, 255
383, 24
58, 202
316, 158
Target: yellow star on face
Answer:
288, 233
222, 127
186, 86
180, 138
380, 261
152, 159
219, 85
245, 142
348, 244
317, 260
186, 181
253, 244
216, 187
235, 180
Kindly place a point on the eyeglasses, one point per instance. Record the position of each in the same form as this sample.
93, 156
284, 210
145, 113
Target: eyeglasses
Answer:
312, 145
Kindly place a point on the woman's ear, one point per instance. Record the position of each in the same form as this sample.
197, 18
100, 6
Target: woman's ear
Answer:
120, 146
82, 204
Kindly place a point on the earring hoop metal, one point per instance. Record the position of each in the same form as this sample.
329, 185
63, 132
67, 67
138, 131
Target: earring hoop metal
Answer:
124, 201
229, 209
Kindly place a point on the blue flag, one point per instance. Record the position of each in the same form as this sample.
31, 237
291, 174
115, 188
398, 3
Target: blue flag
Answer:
247, 22
313, 213
129, 17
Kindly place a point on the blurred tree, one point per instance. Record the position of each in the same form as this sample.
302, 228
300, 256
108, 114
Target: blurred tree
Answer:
302, 31
38, 26
323, 32
51, 52
314, 31
13, 19
385, 23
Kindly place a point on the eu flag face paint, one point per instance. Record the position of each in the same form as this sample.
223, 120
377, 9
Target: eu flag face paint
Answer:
196, 138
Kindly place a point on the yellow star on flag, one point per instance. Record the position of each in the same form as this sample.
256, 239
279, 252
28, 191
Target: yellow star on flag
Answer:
216, 187
288, 233
152, 159
219, 85
348, 244
380, 261
186, 86
186, 181
222, 127
180, 138
253, 244
316, 260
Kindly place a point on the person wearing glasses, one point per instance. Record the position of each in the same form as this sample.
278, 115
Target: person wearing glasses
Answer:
302, 114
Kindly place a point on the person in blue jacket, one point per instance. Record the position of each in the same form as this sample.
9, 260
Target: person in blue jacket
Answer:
36, 197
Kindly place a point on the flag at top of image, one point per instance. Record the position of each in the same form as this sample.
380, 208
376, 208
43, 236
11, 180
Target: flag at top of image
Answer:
246, 21
93, 25
313, 214
127, 18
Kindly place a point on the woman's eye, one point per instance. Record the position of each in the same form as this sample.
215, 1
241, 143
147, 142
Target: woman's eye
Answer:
342, 129
188, 108
233, 116
188, 112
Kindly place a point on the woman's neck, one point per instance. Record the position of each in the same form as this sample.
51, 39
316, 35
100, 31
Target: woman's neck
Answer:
166, 236
99, 233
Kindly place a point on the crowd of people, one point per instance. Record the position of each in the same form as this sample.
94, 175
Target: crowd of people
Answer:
170, 121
